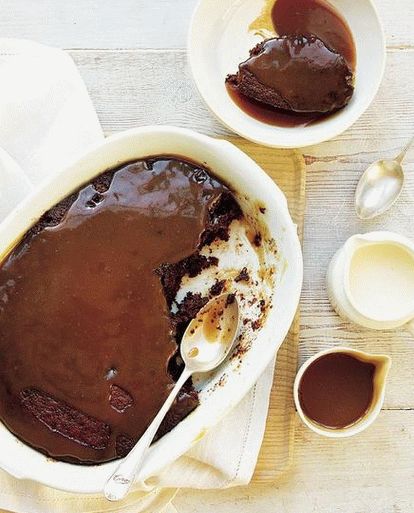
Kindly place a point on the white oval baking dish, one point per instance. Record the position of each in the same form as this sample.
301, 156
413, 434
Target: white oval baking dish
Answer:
248, 181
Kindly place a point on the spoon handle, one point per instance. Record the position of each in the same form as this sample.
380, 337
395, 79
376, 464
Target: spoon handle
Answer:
121, 480
403, 152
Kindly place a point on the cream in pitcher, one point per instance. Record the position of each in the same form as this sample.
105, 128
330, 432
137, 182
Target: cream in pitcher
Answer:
371, 280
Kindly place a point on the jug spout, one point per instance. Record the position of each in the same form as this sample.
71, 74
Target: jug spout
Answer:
381, 361
382, 365
361, 239
382, 368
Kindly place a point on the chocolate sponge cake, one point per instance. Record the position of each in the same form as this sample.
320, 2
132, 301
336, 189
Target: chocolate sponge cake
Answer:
89, 325
295, 73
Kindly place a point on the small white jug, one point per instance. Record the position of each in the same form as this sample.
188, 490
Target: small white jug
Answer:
382, 366
371, 280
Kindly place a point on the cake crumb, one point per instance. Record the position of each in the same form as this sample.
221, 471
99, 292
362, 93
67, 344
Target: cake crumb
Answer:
257, 241
119, 399
230, 299
256, 324
218, 287
242, 276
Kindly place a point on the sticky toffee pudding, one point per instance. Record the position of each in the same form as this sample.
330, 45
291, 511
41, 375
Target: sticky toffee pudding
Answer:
88, 333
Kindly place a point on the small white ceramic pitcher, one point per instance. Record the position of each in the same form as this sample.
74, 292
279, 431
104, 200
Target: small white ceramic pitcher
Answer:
371, 280
382, 366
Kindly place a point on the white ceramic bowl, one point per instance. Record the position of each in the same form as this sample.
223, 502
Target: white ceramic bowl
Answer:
247, 179
219, 40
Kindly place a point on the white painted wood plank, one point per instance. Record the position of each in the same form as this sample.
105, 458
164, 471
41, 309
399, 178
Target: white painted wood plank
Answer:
133, 88
98, 23
369, 473
142, 23
330, 220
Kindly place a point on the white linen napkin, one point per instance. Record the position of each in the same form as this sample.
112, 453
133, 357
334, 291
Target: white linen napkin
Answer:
47, 120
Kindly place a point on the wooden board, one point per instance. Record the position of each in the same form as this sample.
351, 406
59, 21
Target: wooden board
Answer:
287, 169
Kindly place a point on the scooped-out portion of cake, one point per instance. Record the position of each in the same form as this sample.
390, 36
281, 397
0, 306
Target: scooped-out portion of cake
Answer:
89, 321
295, 73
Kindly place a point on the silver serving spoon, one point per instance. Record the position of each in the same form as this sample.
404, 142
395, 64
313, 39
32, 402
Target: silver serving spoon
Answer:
379, 186
207, 341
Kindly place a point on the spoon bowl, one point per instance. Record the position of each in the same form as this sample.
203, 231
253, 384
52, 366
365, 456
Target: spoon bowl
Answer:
379, 188
211, 335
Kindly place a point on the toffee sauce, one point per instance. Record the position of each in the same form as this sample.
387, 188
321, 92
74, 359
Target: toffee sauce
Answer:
85, 329
317, 17
268, 114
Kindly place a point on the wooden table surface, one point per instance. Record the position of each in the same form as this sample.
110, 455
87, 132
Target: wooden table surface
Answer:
132, 56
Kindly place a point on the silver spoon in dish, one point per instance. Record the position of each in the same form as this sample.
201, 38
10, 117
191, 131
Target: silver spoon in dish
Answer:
207, 341
379, 186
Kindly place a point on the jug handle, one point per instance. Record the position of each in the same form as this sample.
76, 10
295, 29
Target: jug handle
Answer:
410, 327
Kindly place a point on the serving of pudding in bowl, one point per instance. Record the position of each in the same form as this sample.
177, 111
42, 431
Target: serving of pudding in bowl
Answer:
287, 73
101, 271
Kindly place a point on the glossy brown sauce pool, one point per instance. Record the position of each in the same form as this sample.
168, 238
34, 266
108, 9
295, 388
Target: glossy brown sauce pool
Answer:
304, 17
268, 114
317, 17
85, 329
336, 390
